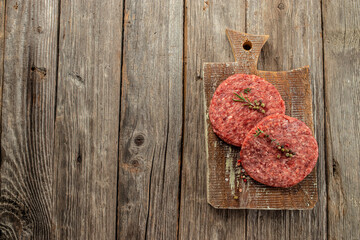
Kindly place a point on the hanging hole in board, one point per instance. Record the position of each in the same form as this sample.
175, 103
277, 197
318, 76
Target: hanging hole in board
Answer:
247, 45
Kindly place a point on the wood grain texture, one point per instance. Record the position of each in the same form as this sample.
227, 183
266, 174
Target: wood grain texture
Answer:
87, 119
28, 120
295, 30
2, 53
342, 88
70, 193
151, 120
224, 179
205, 41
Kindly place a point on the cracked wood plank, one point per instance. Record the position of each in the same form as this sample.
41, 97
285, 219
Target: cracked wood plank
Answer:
151, 120
26, 209
87, 119
342, 96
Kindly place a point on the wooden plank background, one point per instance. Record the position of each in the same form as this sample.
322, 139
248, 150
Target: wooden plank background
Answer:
342, 116
151, 120
295, 40
86, 134
102, 129
28, 111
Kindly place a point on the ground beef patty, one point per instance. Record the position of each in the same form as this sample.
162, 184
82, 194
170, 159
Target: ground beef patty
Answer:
231, 120
264, 160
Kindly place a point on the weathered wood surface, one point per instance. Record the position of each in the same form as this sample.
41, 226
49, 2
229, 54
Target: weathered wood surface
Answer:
205, 41
224, 180
151, 120
87, 120
28, 103
2, 53
295, 40
342, 98
70, 195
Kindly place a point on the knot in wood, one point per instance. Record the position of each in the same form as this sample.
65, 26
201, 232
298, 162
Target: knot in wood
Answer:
39, 29
281, 6
135, 163
139, 140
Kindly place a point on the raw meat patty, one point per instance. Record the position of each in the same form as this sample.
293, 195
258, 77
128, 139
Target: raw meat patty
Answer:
266, 163
232, 120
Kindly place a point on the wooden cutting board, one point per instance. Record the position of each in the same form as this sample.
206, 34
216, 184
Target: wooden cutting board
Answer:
223, 176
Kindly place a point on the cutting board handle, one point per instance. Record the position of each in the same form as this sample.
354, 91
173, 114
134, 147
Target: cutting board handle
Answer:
246, 48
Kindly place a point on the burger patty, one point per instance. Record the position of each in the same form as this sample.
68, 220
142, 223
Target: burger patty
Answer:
231, 117
280, 151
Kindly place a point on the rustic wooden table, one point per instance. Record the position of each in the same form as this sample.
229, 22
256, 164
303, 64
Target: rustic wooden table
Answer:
102, 125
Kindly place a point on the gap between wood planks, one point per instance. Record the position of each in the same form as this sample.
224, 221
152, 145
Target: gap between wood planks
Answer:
325, 113
57, 63
2, 64
184, 66
119, 124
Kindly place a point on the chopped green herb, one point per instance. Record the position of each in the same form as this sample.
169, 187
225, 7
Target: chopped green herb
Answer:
247, 90
247, 102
